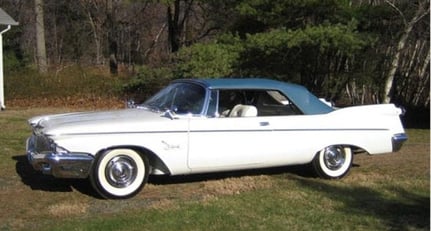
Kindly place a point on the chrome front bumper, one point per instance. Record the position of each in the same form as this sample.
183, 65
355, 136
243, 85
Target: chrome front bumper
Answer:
398, 140
60, 165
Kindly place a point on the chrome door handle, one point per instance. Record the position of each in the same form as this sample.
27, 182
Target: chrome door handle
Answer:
264, 123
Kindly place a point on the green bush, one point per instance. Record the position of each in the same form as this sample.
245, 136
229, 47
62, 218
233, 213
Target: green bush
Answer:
146, 82
218, 59
12, 63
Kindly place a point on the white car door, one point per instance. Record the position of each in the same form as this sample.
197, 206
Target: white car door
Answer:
227, 143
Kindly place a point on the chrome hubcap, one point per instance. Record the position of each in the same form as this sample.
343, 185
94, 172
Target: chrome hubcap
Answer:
334, 157
121, 171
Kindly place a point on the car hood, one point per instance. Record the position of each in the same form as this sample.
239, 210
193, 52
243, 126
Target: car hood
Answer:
128, 120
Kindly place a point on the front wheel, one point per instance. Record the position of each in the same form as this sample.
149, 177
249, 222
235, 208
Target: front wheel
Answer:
119, 173
333, 162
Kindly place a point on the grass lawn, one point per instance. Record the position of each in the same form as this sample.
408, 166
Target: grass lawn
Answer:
385, 192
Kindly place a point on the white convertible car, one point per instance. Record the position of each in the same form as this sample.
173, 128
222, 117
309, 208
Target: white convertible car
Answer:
197, 126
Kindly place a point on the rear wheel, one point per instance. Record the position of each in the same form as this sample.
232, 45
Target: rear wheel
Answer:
333, 162
119, 173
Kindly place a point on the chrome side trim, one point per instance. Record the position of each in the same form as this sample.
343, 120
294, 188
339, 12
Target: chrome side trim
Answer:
397, 141
60, 165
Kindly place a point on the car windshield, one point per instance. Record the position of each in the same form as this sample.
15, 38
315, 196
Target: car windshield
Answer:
181, 98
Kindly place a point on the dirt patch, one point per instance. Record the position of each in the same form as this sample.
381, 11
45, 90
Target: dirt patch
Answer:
164, 204
164, 195
65, 209
231, 186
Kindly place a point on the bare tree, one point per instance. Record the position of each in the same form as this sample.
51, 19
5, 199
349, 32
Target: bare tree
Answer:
92, 9
422, 10
113, 46
40, 37
178, 13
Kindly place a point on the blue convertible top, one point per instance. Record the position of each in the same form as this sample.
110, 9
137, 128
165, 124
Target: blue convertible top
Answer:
308, 103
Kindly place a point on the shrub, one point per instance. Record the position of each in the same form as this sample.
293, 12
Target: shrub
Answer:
146, 82
217, 59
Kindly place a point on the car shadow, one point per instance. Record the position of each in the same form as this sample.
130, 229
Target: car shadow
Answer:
38, 181
305, 171
300, 170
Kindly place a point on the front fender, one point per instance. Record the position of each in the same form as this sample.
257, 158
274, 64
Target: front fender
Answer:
167, 152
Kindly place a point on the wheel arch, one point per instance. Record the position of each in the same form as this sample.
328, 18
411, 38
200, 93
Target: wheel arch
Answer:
356, 149
157, 166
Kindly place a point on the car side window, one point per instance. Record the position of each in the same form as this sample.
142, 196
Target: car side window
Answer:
274, 103
254, 103
188, 99
228, 99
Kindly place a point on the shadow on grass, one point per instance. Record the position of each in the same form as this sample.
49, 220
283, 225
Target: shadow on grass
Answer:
403, 210
300, 170
38, 181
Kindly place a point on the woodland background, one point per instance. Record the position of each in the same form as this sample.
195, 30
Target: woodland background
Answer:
347, 51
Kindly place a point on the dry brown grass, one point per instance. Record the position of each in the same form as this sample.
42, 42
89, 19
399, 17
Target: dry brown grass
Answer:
68, 103
232, 186
66, 209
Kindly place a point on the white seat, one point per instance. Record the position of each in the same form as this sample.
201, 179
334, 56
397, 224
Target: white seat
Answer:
243, 111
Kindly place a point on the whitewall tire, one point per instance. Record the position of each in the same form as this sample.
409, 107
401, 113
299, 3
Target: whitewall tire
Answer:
333, 162
119, 173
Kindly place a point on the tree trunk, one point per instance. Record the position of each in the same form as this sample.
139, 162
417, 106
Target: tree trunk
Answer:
96, 37
394, 67
154, 42
174, 31
95, 23
113, 47
40, 37
423, 83
400, 46
177, 17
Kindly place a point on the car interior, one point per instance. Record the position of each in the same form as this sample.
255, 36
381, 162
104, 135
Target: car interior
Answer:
248, 103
